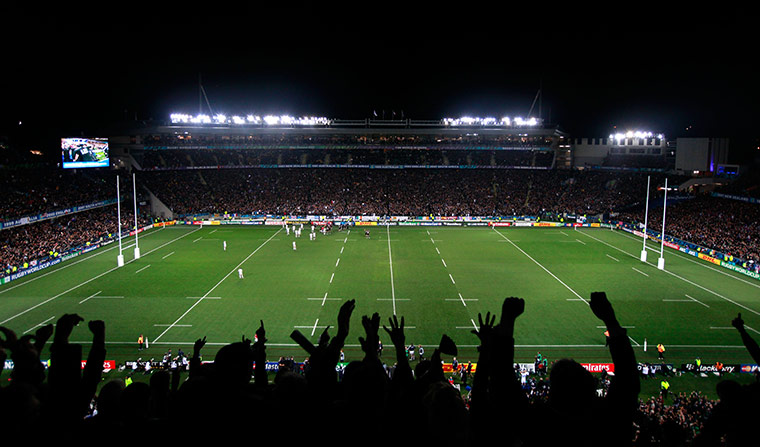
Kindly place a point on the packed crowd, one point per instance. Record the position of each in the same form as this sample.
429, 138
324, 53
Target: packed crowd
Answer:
179, 158
728, 226
380, 139
236, 392
22, 246
32, 191
412, 192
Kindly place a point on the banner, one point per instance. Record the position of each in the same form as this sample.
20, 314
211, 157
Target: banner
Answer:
107, 364
708, 258
692, 367
599, 367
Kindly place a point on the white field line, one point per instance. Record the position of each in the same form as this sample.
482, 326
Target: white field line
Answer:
91, 296
578, 240
142, 269
390, 264
696, 300
544, 268
452, 279
634, 268
166, 256
702, 264
214, 288
93, 278
613, 258
314, 329
677, 276
38, 325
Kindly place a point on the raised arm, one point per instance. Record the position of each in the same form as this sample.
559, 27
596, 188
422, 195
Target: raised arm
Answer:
749, 342
403, 375
623, 393
93, 370
260, 357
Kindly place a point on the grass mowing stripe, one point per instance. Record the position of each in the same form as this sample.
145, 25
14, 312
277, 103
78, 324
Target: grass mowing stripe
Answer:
677, 276
538, 264
217, 285
92, 279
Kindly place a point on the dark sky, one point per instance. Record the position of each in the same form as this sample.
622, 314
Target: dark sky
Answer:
74, 71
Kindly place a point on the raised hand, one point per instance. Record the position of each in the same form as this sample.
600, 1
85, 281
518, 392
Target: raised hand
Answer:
371, 328
261, 333
601, 307
447, 345
10, 339
344, 316
485, 328
198, 345
324, 338
738, 323
396, 332
42, 335
98, 328
65, 325
511, 309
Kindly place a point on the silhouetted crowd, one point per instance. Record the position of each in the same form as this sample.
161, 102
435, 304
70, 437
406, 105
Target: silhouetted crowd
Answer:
235, 394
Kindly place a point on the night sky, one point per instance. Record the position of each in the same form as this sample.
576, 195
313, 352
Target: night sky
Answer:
680, 72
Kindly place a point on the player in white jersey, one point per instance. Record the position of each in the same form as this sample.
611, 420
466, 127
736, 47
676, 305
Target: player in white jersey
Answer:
240, 273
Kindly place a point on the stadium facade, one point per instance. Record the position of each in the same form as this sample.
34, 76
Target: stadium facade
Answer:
320, 142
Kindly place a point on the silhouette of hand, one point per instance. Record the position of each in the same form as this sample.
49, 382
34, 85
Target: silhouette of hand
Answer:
371, 328
486, 329
601, 307
324, 338
344, 315
261, 333
65, 325
199, 344
396, 332
98, 328
42, 335
737, 322
10, 339
511, 309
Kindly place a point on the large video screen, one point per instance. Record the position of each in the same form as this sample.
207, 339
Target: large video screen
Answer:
84, 152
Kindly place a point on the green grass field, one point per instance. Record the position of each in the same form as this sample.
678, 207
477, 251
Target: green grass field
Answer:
185, 286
